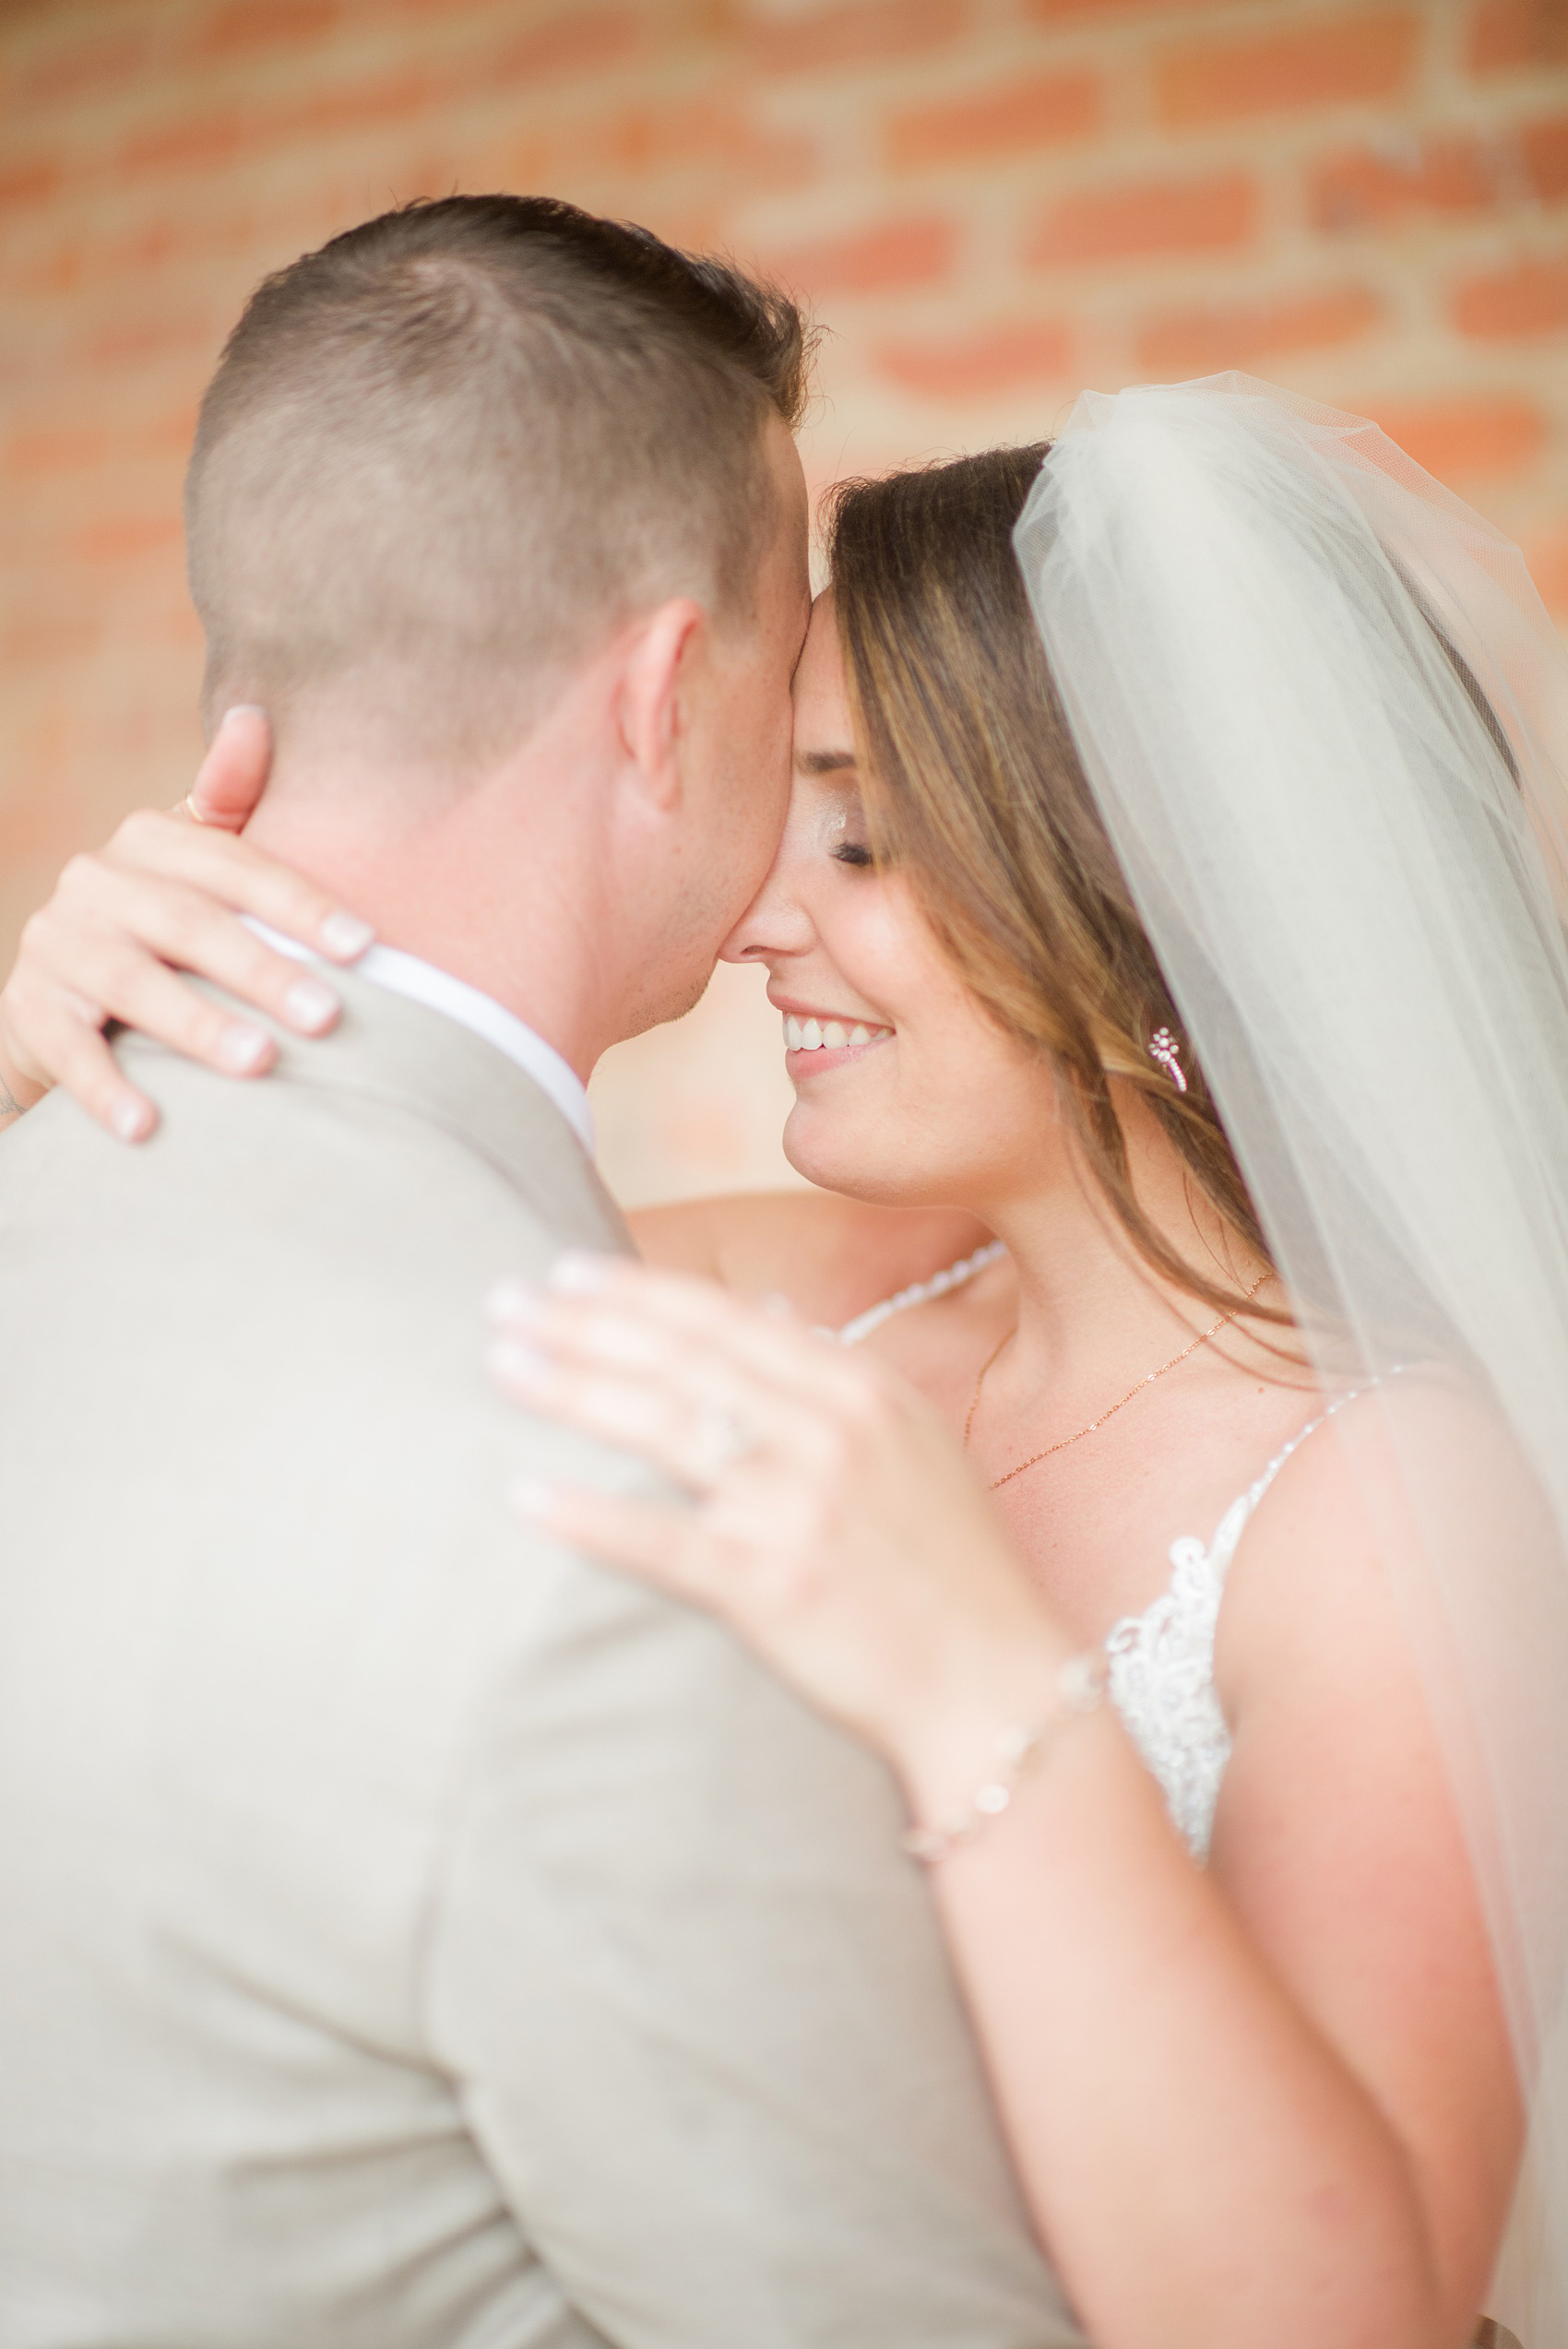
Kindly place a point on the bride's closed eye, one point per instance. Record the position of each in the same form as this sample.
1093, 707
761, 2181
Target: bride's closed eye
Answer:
844, 833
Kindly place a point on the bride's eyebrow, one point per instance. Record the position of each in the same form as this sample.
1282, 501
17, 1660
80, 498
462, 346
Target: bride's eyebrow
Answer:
824, 761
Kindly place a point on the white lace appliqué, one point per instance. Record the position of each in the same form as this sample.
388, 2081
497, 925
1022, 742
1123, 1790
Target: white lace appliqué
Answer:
1161, 1663
1161, 1679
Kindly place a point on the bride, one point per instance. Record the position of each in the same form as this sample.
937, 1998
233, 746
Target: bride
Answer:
1166, 930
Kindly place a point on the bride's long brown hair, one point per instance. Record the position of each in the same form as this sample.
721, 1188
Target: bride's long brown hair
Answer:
975, 788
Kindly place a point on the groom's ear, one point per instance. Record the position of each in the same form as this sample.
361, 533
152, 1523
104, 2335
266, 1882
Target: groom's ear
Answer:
652, 702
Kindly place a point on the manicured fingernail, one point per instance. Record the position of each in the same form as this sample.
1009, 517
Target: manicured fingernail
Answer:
243, 1049
514, 1301
509, 1358
132, 1120
579, 1274
532, 1499
344, 937
312, 1006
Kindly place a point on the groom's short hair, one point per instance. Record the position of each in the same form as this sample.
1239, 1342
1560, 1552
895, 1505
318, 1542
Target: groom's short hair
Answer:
443, 454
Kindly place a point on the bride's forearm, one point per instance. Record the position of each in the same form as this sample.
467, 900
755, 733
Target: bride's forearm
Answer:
1206, 2169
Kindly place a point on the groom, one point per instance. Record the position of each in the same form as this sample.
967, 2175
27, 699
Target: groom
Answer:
412, 1937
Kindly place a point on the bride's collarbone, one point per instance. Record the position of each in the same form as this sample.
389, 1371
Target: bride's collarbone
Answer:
1097, 1521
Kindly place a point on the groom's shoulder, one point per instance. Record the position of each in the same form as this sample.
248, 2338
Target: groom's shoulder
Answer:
341, 1222
294, 1272
401, 1124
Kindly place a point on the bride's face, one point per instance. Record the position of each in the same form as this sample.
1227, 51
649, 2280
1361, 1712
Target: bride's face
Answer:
906, 1088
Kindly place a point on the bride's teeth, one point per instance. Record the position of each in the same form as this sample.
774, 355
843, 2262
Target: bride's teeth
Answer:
827, 1035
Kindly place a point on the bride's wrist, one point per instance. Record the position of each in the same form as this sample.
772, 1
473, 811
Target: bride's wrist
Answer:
970, 1733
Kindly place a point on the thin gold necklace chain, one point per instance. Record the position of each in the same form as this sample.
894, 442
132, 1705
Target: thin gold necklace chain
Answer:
1176, 1359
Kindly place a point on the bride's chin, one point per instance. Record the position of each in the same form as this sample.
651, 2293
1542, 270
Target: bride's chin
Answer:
828, 1152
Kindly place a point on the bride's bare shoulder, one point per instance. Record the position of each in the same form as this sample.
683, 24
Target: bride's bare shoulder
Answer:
1388, 1511
831, 1257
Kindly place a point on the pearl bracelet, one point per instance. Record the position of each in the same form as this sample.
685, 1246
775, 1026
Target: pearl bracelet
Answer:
1080, 1688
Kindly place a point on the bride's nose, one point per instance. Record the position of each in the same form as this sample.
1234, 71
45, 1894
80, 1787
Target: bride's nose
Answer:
776, 922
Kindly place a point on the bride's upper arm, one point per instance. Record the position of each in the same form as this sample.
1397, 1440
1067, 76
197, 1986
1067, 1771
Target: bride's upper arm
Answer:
1337, 1836
680, 1238
751, 1242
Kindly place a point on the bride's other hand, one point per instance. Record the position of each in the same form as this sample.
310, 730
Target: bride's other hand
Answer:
837, 1527
166, 896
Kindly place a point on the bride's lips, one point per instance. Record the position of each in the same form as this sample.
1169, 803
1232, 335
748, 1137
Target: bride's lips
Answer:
816, 1040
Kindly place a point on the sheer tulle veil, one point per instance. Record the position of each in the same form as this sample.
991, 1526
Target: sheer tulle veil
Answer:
1326, 720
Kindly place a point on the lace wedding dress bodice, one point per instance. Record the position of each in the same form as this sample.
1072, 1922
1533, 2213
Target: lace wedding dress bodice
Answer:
1160, 1664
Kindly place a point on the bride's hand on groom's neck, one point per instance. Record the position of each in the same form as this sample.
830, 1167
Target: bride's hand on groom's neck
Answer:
167, 896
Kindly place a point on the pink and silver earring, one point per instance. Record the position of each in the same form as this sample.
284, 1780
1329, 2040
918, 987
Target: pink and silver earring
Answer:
1162, 1051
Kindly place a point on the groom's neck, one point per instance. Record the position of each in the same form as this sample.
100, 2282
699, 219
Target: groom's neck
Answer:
489, 884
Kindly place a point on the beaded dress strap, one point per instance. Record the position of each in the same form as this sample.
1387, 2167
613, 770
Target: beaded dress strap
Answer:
1237, 1516
940, 1285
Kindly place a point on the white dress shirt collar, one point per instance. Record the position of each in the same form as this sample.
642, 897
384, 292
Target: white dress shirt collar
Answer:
421, 982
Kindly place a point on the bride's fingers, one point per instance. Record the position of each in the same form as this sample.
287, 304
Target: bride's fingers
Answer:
682, 1320
115, 932
141, 993
232, 874
573, 1343
665, 1545
697, 1431
67, 1040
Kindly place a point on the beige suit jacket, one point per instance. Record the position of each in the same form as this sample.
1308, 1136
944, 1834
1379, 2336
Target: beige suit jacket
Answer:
413, 1936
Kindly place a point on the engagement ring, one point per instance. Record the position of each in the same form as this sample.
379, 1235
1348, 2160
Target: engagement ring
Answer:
721, 1440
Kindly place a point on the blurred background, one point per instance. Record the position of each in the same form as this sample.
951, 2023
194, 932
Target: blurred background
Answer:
990, 204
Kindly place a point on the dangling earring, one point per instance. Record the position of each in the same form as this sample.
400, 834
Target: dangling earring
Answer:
1162, 1051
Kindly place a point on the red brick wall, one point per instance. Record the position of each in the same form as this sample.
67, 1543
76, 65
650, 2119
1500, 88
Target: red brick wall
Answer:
993, 202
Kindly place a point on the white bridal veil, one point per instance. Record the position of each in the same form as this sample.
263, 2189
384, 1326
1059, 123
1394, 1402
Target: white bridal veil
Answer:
1325, 717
